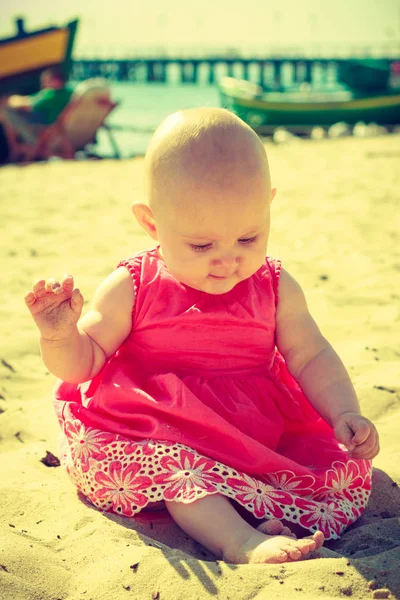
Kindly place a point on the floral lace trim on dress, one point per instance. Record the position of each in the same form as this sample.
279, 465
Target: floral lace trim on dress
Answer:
124, 476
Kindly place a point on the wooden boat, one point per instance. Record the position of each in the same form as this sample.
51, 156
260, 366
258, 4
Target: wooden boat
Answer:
302, 108
24, 56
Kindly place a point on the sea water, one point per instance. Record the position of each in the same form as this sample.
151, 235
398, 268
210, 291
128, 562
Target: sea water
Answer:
142, 108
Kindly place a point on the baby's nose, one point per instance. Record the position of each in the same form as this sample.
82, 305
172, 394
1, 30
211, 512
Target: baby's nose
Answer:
227, 261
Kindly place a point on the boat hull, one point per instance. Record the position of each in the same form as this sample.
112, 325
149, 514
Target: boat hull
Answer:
282, 110
24, 57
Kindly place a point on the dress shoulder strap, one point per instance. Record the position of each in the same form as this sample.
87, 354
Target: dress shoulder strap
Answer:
141, 267
274, 267
133, 265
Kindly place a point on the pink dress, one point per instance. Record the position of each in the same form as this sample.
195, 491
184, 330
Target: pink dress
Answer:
198, 401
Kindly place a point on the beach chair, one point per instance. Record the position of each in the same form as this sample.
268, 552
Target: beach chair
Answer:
76, 127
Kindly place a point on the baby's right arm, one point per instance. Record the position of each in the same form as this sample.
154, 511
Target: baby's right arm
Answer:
76, 351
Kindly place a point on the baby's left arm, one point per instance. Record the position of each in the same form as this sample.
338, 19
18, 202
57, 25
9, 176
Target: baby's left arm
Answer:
319, 371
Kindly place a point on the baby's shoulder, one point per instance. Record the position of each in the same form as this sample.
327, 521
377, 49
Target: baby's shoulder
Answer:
291, 296
115, 291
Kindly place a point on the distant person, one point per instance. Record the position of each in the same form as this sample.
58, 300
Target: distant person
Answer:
198, 377
4, 145
28, 113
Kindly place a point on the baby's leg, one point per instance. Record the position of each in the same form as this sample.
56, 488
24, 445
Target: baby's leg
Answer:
213, 522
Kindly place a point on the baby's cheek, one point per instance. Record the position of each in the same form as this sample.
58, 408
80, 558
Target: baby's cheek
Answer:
198, 268
251, 264
189, 274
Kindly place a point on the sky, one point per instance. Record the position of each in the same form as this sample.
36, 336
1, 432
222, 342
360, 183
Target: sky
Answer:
235, 24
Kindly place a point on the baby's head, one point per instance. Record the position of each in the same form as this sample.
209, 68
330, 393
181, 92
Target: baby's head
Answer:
209, 195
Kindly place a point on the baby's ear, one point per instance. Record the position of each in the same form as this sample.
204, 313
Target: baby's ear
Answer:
145, 218
273, 193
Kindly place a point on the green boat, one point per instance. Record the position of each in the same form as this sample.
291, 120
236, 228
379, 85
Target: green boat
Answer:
24, 56
301, 108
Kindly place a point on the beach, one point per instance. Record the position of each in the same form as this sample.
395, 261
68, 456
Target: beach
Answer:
336, 227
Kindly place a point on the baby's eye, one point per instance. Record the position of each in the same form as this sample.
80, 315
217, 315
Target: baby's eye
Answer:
200, 247
248, 240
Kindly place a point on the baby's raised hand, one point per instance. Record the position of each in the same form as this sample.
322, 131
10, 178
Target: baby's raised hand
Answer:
55, 307
358, 434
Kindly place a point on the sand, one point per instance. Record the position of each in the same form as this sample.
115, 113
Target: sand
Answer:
336, 228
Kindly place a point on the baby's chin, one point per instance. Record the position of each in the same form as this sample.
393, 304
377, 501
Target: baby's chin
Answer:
215, 286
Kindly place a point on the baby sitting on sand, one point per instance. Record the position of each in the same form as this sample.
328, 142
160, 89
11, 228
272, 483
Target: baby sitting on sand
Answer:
198, 377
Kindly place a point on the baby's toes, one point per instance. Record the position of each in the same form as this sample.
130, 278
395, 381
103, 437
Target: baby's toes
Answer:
318, 538
271, 527
293, 552
286, 531
275, 527
306, 545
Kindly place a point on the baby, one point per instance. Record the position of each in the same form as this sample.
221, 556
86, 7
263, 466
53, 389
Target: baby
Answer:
198, 377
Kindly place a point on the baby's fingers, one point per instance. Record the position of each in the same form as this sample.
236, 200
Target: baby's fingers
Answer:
30, 298
365, 451
361, 433
49, 293
39, 288
76, 301
53, 286
67, 284
37, 292
368, 449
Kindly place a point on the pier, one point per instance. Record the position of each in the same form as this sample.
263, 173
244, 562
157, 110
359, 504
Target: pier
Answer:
273, 71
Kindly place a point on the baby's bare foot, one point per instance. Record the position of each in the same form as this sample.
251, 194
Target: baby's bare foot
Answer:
261, 548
